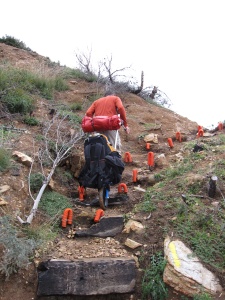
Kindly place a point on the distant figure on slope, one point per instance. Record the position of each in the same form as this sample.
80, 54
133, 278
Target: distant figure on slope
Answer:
109, 105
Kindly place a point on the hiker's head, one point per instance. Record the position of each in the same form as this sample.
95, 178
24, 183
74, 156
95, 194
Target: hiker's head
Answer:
108, 93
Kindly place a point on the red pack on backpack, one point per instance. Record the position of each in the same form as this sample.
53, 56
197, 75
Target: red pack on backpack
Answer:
100, 123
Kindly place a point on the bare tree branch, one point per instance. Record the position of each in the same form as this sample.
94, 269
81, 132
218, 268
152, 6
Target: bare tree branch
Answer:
56, 147
84, 61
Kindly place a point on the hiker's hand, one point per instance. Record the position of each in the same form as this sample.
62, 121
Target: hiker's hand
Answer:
127, 129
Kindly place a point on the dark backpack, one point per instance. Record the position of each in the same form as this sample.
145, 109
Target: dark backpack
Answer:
103, 164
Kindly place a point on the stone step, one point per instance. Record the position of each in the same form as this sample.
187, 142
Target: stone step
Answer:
86, 277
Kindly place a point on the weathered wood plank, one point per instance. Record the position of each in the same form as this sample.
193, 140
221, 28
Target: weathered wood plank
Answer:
86, 277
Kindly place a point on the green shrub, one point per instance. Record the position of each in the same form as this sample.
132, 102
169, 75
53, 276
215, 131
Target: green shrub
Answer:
72, 117
4, 159
32, 121
148, 204
12, 78
60, 85
76, 107
18, 101
203, 296
45, 87
42, 234
152, 282
31, 83
11, 41
17, 250
76, 73
54, 203
36, 181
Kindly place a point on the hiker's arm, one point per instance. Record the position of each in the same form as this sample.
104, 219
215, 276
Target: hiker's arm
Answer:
121, 111
91, 110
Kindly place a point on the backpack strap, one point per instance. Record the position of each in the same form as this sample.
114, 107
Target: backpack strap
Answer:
95, 159
98, 163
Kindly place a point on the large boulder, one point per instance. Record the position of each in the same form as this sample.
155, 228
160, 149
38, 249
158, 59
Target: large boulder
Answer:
185, 273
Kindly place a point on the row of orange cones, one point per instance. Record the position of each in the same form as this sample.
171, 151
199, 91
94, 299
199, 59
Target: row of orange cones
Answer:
128, 157
201, 131
67, 217
179, 137
122, 188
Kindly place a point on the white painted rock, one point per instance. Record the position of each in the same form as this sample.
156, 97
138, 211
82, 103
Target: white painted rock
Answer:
185, 273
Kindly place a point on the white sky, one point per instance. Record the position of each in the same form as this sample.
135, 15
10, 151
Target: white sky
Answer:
179, 44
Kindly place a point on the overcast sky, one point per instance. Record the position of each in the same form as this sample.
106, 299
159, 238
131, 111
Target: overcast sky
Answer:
179, 44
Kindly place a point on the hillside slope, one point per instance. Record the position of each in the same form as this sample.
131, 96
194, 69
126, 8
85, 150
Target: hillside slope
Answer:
143, 118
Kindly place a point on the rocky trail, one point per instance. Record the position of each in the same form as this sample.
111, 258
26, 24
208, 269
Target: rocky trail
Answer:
131, 234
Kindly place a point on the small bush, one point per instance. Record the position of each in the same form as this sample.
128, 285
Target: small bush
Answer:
36, 181
17, 251
4, 159
11, 41
76, 73
54, 203
45, 87
73, 118
148, 204
203, 296
32, 121
152, 282
76, 107
31, 83
60, 85
42, 234
18, 101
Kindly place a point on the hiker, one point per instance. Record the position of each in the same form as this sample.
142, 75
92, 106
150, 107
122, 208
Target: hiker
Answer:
109, 105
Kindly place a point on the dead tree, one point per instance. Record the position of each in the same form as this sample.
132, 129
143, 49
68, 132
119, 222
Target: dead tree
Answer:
112, 74
138, 90
154, 92
84, 61
56, 146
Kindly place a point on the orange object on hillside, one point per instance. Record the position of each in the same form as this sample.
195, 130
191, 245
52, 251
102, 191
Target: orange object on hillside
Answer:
122, 187
67, 217
99, 213
170, 142
127, 157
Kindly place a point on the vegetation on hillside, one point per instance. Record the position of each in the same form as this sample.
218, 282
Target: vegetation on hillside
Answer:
115, 80
194, 218
11, 41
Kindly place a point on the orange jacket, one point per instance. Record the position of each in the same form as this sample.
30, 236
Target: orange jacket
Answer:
107, 106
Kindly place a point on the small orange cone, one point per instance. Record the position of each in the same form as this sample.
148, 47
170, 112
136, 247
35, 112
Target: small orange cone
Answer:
127, 157
81, 191
148, 146
178, 136
135, 175
67, 217
220, 126
170, 142
99, 213
200, 132
150, 159
122, 187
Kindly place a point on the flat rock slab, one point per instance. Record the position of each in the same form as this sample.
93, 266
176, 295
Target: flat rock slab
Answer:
86, 277
112, 201
107, 227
